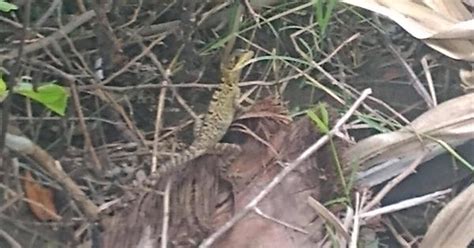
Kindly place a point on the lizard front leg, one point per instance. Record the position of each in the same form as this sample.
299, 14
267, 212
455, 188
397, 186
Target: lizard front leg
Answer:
197, 126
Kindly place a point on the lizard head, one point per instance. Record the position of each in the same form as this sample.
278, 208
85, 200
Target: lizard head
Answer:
237, 60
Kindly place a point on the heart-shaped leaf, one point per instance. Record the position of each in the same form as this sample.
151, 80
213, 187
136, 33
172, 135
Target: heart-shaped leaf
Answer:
50, 95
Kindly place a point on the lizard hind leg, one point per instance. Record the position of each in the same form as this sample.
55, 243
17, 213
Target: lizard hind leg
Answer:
228, 151
177, 163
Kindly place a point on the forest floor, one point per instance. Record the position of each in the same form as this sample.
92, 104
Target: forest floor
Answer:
137, 75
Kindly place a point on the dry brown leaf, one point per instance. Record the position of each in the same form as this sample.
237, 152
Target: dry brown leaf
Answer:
287, 203
444, 25
454, 225
384, 155
40, 199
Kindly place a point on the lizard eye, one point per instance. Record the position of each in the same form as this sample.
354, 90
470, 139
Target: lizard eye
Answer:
238, 58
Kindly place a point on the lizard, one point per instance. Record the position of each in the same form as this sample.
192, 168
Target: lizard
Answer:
220, 114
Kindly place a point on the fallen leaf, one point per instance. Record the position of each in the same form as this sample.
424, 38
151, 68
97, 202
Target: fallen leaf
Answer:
40, 199
451, 227
444, 25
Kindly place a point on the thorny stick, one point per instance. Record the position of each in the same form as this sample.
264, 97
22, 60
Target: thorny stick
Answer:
286, 170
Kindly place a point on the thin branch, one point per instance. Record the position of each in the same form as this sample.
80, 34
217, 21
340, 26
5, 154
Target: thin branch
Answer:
158, 124
11, 83
166, 214
408, 171
133, 61
429, 79
405, 204
356, 225
97, 165
71, 26
279, 222
10, 240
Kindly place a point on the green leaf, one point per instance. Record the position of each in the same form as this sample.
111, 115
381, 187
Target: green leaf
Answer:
3, 85
323, 11
3, 89
324, 114
7, 7
373, 123
51, 95
318, 121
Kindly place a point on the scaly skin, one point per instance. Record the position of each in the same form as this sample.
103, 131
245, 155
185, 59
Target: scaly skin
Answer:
220, 115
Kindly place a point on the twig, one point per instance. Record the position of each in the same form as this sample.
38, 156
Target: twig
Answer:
429, 79
286, 170
405, 204
415, 82
14, 197
132, 61
167, 81
335, 51
356, 225
166, 213
128, 128
345, 87
181, 85
258, 211
137, 134
252, 12
134, 16
158, 123
12, 23
97, 166
55, 4
394, 182
395, 234
212, 12
71, 26
11, 241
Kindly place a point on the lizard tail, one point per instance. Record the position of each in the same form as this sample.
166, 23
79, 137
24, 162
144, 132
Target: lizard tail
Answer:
178, 162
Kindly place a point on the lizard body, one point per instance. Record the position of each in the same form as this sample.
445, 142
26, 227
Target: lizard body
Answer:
220, 115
